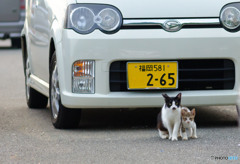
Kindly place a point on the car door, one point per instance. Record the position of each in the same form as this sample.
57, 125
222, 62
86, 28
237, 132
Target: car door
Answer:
39, 39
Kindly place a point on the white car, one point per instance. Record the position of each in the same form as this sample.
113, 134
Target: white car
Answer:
125, 54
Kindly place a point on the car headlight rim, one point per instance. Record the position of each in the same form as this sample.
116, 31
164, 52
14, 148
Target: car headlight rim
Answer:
90, 24
115, 25
226, 24
96, 20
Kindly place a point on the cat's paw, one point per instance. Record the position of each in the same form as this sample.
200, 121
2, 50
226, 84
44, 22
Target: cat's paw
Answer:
194, 137
174, 139
164, 136
185, 138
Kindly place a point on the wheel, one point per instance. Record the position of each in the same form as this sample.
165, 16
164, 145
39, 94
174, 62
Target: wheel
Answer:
238, 111
16, 42
33, 97
62, 117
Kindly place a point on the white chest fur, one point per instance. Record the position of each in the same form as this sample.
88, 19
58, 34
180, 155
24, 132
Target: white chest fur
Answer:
171, 120
190, 125
170, 116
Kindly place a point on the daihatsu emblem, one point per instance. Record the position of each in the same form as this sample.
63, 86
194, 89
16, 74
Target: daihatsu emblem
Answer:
172, 25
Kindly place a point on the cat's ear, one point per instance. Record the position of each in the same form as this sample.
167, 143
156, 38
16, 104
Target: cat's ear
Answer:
179, 96
193, 112
182, 112
165, 96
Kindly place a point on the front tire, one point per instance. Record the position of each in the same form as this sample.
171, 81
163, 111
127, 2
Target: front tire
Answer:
238, 118
33, 97
16, 42
62, 117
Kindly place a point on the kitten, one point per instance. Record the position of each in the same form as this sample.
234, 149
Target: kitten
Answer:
169, 118
188, 123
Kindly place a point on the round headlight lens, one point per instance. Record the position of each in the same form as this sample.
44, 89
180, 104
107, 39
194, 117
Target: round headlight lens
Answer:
230, 17
110, 19
82, 19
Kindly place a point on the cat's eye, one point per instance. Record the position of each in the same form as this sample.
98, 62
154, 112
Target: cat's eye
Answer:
191, 119
184, 119
176, 103
170, 104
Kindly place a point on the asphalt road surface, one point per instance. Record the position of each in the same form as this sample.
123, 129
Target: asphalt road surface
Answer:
105, 135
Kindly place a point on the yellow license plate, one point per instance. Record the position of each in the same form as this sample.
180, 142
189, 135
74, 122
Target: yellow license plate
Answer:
152, 75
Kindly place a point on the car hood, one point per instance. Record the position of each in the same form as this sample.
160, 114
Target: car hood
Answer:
165, 8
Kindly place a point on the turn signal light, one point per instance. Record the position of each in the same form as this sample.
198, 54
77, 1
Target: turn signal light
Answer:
83, 77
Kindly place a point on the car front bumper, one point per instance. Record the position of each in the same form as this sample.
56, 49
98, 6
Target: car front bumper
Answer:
144, 45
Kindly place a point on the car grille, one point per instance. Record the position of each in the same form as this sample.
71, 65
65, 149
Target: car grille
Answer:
207, 74
161, 23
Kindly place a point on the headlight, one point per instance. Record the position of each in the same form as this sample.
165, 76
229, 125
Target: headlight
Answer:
110, 19
85, 18
82, 18
230, 17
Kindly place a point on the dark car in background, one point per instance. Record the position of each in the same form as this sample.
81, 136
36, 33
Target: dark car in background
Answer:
12, 16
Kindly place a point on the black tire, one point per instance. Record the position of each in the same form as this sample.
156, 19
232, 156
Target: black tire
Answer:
238, 118
33, 97
16, 42
62, 117
36, 100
